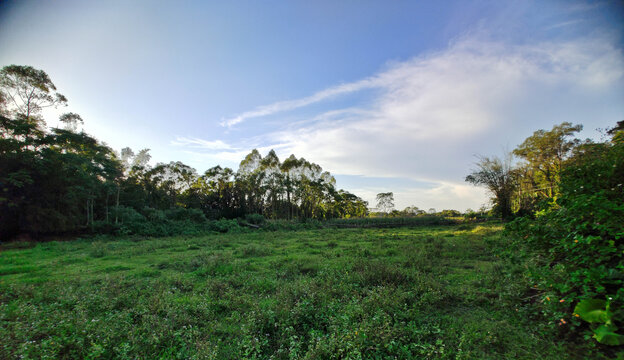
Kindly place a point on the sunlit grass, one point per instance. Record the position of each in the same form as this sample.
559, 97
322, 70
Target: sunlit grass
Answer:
422, 292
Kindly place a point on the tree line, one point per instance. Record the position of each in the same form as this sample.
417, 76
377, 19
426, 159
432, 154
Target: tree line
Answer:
530, 175
566, 198
59, 179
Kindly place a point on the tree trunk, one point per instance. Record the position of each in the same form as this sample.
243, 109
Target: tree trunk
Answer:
92, 217
117, 205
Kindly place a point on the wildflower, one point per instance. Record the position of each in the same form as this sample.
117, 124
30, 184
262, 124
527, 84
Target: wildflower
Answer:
577, 315
562, 300
562, 322
547, 298
575, 241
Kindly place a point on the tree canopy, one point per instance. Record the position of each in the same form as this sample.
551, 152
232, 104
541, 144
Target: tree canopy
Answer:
55, 180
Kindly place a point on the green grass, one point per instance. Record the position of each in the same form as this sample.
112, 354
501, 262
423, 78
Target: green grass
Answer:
422, 293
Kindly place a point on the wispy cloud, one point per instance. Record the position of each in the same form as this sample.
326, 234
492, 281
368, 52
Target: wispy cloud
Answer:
433, 113
193, 142
564, 23
294, 104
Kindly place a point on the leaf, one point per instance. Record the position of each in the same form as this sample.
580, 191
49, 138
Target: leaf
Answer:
606, 335
592, 310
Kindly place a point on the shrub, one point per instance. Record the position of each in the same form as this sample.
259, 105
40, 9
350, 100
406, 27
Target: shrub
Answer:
225, 225
180, 213
255, 219
579, 237
126, 214
154, 214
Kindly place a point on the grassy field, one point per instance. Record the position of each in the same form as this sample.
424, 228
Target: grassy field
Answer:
420, 292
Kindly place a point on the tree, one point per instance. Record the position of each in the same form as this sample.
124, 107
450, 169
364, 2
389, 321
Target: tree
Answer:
617, 133
544, 153
71, 121
26, 90
413, 211
498, 176
385, 202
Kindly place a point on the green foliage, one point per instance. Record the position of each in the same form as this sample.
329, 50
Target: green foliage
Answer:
605, 334
225, 225
577, 240
60, 181
598, 311
405, 293
544, 154
498, 176
380, 222
255, 219
592, 310
180, 214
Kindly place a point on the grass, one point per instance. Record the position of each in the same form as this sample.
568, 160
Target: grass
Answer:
420, 292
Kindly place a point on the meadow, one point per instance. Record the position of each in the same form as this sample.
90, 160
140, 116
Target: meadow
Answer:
420, 292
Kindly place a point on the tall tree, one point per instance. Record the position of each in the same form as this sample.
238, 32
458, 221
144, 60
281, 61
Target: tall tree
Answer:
71, 120
498, 176
27, 91
543, 154
385, 202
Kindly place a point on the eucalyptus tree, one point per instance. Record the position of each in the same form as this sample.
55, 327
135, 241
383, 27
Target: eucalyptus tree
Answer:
249, 179
385, 202
26, 91
216, 187
290, 169
271, 182
413, 211
71, 121
56, 180
168, 183
88, 168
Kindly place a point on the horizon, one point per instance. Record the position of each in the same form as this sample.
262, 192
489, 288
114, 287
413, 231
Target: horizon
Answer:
388, 98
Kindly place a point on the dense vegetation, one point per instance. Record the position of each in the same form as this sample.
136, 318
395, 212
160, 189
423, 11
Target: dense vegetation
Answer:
569, 229
331, 289
422, 292
59, 180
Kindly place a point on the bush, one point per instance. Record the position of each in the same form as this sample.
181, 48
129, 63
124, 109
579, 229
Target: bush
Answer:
180, 213
225, 225
154, 214
126, 214
578, 239
255, 219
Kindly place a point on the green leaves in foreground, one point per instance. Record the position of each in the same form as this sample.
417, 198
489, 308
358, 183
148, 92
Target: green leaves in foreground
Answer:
605, 334
597, 311
592, 310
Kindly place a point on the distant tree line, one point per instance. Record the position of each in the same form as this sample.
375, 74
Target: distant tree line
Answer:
58, 180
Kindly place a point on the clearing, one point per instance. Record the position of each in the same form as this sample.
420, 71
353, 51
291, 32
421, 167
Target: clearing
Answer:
418, 292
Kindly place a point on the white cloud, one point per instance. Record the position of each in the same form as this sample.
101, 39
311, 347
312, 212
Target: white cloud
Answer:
432, 113
434, 108
444, 195
294, 104
193, 142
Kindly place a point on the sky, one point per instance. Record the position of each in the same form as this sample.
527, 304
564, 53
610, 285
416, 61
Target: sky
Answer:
397, 96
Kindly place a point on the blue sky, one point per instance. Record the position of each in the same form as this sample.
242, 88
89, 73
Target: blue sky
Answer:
388, 96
